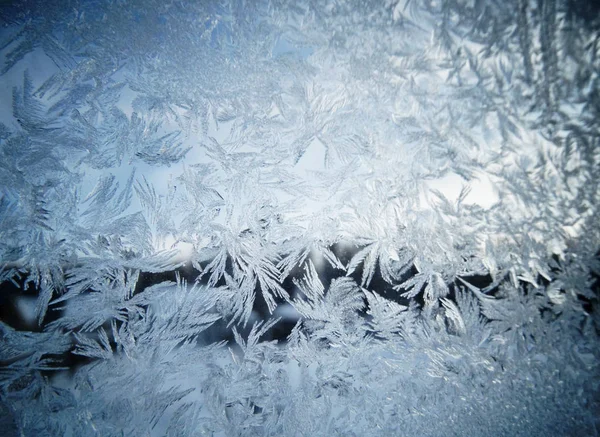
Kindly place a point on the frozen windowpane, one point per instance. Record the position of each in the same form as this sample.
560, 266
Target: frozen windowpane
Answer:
281, 218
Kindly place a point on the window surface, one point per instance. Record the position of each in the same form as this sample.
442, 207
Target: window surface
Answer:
299, 218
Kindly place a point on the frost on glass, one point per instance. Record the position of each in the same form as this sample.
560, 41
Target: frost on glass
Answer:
299, 218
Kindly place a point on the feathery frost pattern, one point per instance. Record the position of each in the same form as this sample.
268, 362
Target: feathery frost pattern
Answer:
299, 218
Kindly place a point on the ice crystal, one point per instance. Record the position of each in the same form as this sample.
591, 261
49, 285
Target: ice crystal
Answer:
299, 218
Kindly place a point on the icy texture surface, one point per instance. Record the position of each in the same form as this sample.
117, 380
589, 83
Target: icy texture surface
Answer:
413, 184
